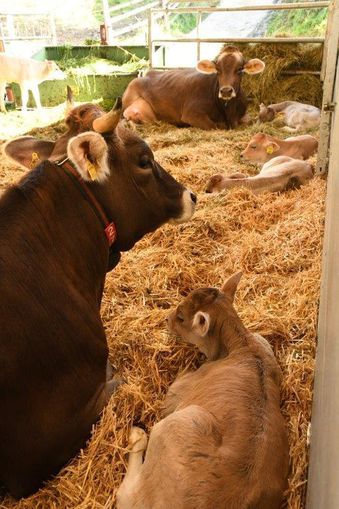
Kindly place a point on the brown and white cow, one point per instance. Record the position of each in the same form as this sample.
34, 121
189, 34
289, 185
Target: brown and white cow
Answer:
223, 440
296, 115
56, 227
263, 147
28, 73
208, 97
279, 174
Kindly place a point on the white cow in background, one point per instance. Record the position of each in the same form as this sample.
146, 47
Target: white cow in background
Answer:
28, 73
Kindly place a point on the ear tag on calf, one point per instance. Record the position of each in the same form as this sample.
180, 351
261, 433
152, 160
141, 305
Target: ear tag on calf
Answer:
34, 160
91, 168
270, 149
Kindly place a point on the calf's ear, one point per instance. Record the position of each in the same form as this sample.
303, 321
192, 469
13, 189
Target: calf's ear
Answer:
271, 147
201, 323
206, 67
27, 151
88, 151
230, 287
254, 66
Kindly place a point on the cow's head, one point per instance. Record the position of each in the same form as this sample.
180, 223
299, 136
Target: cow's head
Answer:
261, 148
266, 113
229, 67
207, 317
137, 194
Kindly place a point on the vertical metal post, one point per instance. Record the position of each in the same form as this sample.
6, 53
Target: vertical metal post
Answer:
150, 44
198, 35
330, 56
2, 40
10, 26
323, 485
107, 21
53, 29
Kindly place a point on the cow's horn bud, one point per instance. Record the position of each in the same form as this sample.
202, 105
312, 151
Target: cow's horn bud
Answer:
108, 122
69, 100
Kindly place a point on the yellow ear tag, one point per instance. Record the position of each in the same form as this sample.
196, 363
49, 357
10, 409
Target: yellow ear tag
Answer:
35, 158
91, 168
270, 149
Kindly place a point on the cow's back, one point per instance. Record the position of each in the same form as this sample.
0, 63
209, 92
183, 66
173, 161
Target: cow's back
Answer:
171, 92
20, 69
52, 346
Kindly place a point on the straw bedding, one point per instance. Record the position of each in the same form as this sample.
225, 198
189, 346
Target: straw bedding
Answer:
276, 241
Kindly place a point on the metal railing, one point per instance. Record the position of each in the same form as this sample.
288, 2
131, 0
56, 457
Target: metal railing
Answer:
27, 26
199, 11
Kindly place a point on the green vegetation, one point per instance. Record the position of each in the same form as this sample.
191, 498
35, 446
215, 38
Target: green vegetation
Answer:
307, 22
92, 64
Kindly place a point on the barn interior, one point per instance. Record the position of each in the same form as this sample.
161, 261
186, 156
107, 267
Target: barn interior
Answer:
276, 239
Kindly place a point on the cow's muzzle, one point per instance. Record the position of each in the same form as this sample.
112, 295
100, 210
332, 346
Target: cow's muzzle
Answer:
227, 93
189, 201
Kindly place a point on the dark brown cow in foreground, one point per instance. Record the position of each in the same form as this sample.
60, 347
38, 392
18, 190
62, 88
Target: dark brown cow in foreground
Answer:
53, 260
208, 97
222, 443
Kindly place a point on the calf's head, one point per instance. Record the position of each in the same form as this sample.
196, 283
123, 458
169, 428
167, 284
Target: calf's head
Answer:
261, 148
266, 113
229, 67
136, 193
208, 320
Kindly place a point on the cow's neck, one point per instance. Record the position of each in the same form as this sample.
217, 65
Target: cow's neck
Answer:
70, 228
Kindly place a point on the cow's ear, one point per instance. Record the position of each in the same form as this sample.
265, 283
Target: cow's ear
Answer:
230, 287
254, 66
88, 151
28, 151
201, 323
206, 67
271, 147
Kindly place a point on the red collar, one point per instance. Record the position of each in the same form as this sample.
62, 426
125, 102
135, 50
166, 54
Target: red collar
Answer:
109, 227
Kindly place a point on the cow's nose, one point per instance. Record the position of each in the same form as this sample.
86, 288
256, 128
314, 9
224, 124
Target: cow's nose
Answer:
227, 91
193, 197
241, 156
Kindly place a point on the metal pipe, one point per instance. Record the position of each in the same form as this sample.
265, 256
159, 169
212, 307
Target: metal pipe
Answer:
273, 7
247, 39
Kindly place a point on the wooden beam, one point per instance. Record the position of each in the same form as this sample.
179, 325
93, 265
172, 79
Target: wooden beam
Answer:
323, 482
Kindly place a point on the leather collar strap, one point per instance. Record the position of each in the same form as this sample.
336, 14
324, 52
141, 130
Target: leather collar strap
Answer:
109, 228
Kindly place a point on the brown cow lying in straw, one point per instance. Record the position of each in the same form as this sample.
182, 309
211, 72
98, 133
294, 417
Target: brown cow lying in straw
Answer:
278, 174
223, 441
296, 115
263, 147
208, 97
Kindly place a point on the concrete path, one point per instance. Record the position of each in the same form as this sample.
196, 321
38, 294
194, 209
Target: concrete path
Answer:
217, 25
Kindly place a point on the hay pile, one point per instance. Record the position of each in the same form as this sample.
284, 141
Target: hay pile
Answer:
276, 241
272, 86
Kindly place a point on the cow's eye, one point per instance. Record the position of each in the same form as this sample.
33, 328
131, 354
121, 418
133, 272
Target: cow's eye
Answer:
254, 147
180, 317
145, 162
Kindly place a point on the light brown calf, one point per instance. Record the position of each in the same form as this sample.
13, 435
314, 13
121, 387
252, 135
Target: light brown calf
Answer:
263, 147
28, 73
222, 443
279, 174
296, 115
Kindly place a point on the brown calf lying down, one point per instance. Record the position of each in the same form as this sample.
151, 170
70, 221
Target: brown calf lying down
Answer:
263, 147
28, 73
296, 115
208, 97
222, 443
61, 227
279, 174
